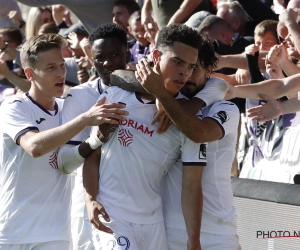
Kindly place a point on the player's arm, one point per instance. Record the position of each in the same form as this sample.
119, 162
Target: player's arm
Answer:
185, 10
91, 178
192, 203
38, 143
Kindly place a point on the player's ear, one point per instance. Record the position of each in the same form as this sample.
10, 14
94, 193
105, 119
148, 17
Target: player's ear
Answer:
29, 73
156, 54
208, 71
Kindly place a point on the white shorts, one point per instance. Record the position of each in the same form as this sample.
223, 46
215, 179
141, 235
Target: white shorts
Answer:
131, 236
57, 245
82, 234
177, 240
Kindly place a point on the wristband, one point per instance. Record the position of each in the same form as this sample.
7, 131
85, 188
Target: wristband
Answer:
94, 142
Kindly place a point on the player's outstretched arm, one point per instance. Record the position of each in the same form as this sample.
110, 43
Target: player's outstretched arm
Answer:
39, 143
91, 178
192, 203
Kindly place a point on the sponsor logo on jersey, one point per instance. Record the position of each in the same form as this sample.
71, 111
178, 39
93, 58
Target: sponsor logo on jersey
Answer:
136, 125
222, 116
53, 160
125, 137
40, 121
202, 151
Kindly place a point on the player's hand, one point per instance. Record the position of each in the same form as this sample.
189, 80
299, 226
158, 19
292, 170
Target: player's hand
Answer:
265, 112
193, 244
151, 80
105, 113
162, 118
104, 131
94, 209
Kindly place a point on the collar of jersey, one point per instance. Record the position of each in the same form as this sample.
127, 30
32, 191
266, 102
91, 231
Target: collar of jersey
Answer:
45, 110
137, 95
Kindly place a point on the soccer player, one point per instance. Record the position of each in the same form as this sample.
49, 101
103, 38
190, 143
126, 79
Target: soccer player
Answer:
109, 51
135, 158
217, 125
34, 194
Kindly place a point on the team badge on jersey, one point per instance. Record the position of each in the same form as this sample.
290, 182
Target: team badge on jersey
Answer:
125, 137
202, 151
53, 160
222, 116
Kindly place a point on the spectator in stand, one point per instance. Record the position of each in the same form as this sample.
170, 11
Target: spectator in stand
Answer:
90, 12
141, 47
37, 16
233, 13
10, 40
122, 10
8, 6
176, 11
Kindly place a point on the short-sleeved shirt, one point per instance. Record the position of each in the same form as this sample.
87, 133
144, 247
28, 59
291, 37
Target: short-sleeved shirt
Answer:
218, 211
79, 100
135, 159
34, 195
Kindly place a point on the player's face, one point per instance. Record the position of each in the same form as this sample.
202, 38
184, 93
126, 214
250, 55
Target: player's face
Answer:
121, 16
109, 54
49, 73
176, 65
196, 82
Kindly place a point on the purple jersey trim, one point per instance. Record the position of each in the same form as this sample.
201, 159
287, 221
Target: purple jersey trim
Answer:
45, 110
223, 130
22, 132
202, 164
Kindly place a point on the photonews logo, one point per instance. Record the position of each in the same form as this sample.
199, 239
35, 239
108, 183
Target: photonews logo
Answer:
277, 234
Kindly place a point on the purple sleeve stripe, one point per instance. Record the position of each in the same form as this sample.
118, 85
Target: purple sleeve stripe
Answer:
23, 131
202, 164
223, 131
75, 143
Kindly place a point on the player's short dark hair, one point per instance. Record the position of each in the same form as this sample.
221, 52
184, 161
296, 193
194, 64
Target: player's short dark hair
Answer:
177, 33
108, 30
206, 53
130, 5
37, 44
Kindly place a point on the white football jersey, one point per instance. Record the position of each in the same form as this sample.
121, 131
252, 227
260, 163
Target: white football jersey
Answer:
34, 195
218, 211
79, 100
135, 159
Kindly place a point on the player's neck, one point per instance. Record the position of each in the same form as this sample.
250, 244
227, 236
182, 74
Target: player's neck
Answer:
47, 102
146, 96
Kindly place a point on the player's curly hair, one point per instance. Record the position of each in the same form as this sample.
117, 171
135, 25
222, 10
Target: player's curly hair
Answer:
206, 53
108, 30
177, 33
